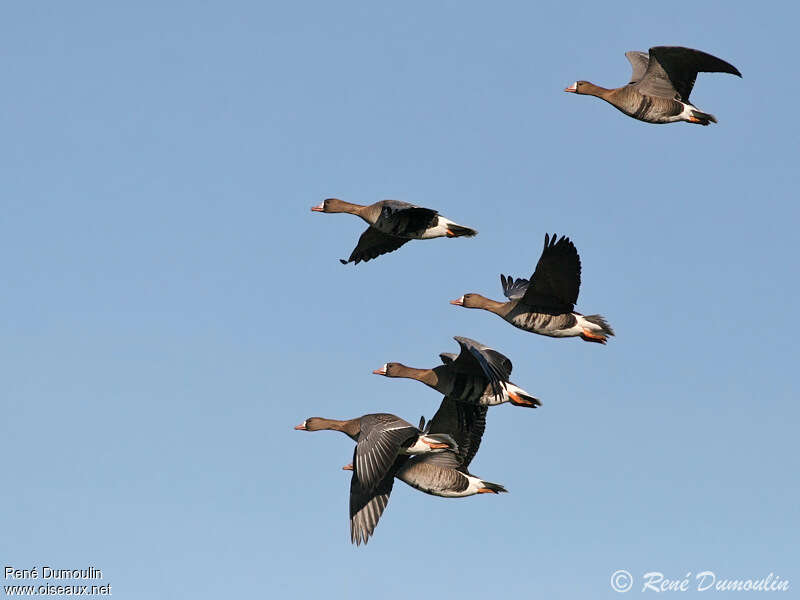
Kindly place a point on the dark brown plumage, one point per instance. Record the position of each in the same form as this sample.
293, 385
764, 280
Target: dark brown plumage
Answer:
660, 86
392, 223
545, 304
443, 474
477, 375
380, 438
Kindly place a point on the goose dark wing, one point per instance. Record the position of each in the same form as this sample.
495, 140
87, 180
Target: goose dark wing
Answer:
638, 62
557, 279
465, 423
672, 70
404, 219
477, 359
379, 443
372, 244
367, 506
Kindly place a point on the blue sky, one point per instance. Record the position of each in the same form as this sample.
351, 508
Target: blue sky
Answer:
171, 308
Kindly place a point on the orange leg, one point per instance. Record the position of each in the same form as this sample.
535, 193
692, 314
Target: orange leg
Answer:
437, 445
518, 400
486, 491
591, 337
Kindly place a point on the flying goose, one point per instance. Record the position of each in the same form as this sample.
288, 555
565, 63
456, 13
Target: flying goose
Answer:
478, 375
443, 474
660, 85
380, 438
392, 223
545, 304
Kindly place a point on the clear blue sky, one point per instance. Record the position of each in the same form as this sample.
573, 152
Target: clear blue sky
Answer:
171, 308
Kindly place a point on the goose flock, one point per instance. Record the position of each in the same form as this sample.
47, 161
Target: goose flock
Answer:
434, 457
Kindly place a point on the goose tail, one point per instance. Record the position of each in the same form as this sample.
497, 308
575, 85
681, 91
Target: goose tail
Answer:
487, 487
454, 230
601, 322
702, 118
519, 397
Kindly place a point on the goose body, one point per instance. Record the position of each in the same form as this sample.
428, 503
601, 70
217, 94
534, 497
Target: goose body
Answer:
660, 86
443, 474
545, 304
444, 478
441, 478
380, 439
477, 375
572, 324
392, 223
